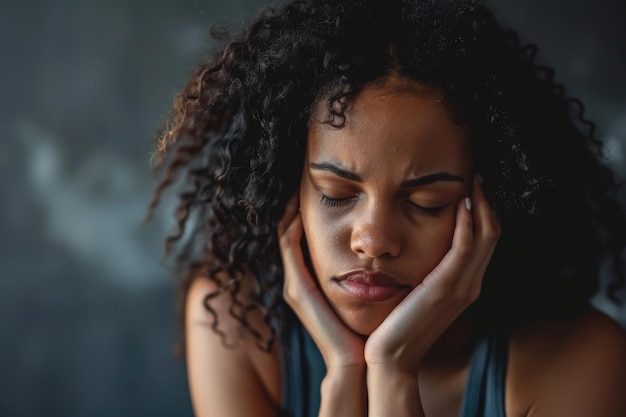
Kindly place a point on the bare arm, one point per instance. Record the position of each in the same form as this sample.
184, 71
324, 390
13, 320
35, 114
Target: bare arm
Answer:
225, 381
577, 369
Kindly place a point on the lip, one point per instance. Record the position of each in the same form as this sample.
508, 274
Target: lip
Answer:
370, 286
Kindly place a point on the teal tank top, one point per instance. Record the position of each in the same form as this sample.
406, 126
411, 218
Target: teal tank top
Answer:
303, 370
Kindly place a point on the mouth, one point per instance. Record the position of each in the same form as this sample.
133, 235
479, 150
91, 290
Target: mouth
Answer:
369, 286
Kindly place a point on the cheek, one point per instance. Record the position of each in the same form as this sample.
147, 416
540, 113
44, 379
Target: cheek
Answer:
325, 238
437, 237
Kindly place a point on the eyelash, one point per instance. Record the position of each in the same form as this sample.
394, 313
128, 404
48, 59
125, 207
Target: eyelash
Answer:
428, 211
336, 202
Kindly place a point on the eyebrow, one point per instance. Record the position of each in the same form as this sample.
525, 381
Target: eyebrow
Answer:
335, 169
431, 178
412, 183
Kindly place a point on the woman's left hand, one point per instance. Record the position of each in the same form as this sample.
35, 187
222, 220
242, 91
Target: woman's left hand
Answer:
403, 339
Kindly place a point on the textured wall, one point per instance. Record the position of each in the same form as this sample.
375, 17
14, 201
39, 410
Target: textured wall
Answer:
86, 312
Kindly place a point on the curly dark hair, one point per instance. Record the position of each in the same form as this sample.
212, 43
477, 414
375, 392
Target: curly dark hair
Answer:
238, 134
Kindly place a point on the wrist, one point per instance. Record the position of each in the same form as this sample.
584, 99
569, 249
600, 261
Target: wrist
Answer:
345, 361
336, 375
394, 365
343, 392
390, 373
392, 391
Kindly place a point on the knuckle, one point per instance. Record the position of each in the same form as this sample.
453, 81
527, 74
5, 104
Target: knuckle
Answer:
464, 252
462, 293
280, 229
491, 232
286, 240
289, 294
292, 292
492, 235
440, 293
473, 293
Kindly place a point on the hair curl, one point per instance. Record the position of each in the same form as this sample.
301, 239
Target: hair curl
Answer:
238, 133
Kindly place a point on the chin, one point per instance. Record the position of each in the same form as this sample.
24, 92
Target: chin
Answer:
363, 320
364, 330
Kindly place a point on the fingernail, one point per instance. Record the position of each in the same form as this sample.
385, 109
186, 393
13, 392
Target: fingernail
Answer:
468, 204
479, 178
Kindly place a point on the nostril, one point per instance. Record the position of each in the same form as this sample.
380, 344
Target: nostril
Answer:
374, 246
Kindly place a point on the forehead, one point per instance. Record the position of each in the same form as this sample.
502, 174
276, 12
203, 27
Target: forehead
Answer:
406, 125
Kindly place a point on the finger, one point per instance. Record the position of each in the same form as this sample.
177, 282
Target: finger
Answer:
486, 230
464, 248
299, 284
291, 209
289, 245
455, 263
487, 227
463, 237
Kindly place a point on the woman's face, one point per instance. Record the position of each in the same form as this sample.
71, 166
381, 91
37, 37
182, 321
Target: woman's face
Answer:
378, 197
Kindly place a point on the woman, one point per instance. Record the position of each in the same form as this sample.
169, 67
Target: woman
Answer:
432, 208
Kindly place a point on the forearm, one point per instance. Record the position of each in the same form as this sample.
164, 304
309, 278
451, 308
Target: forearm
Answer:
343, 393
392, 392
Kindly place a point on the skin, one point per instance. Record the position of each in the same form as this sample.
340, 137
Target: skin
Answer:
360, 210
406, 355
439, 257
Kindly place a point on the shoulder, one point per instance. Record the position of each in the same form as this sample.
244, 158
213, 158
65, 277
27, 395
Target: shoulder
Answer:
226, 364
574, 367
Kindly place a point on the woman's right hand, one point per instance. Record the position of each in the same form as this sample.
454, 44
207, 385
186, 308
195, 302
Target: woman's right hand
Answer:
339, 346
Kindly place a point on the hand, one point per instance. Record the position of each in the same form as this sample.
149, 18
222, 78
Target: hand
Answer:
405, 336
339, 346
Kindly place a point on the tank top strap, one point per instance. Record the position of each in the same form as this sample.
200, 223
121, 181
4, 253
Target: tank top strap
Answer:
303, 369
484, 390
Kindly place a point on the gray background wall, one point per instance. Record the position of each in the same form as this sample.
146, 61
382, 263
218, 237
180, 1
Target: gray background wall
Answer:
86, 311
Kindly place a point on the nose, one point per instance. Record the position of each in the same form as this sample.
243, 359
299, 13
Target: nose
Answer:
375, 233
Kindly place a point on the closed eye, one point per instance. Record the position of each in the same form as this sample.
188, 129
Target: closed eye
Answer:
334, 202
427, 211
